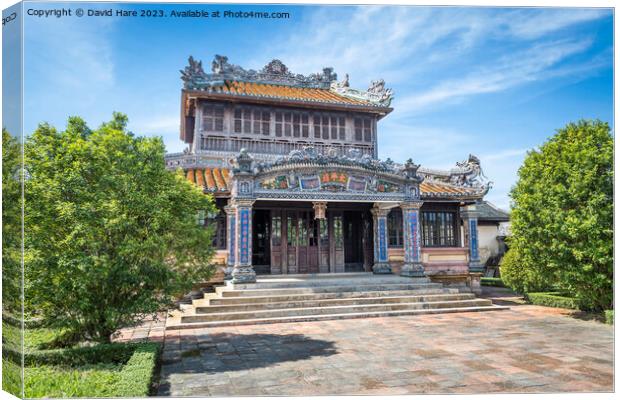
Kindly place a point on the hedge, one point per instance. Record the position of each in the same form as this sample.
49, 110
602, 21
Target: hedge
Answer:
552, 299
138, 373
609, 317
485, 281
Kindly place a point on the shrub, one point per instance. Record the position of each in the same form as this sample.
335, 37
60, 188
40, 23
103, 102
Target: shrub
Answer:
609, 317
111, 234
486, 281
562, 215
553, 299
521, 279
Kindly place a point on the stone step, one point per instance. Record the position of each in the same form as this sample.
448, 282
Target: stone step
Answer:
364, 308
331, 302
307, 318
227, 292
328, 295
302, 282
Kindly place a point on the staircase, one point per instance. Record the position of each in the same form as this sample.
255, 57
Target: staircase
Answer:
297, 298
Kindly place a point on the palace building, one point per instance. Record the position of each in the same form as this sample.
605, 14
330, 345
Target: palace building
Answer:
291, 161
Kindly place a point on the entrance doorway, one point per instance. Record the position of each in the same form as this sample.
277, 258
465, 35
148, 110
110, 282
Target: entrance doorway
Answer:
289, 240
353, 241
261, 254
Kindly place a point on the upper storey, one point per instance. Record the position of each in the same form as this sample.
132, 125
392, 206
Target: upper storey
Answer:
273, 111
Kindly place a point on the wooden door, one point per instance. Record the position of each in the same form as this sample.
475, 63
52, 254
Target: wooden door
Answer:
291, 242
302, 241
277, 245
313, 244
337, 241
323, 242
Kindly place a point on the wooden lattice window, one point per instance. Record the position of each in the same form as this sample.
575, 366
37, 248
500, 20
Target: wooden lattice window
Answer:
248, 120
213, 118
363, 129
439, 229
395, 228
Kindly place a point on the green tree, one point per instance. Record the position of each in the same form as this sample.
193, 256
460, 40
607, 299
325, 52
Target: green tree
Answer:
111, 235
562, 216
11, 224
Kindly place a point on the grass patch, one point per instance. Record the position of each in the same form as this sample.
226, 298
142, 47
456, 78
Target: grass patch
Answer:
552, 299
11, 377
485, 281
123, 370
103, 370
609, 317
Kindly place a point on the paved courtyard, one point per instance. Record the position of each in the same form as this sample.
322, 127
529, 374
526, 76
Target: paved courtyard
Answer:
525, 349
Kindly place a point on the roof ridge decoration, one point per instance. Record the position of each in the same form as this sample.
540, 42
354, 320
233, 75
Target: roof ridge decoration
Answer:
377, 93
354, 158
276, 72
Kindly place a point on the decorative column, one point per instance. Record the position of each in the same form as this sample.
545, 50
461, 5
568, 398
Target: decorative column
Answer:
242, 270
382, 265
470, 219
412, 265
231, 237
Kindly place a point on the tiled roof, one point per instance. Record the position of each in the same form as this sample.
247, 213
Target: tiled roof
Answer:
273, 91
440, 189
212, 180
489, 212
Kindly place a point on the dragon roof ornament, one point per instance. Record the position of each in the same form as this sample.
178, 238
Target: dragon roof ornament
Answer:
194, 77
469, 173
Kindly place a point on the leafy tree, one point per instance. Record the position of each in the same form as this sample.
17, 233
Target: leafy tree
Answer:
11, 223
562, 217
111, 235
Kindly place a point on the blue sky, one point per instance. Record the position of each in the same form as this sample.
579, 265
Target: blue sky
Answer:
494, 82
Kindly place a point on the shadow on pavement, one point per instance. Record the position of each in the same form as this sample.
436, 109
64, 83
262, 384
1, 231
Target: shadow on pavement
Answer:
226, 352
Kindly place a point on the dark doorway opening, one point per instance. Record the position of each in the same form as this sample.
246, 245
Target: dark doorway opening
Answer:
260, 242
353, 232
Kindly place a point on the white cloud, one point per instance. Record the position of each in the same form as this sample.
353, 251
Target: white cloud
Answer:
530, 25
532, 64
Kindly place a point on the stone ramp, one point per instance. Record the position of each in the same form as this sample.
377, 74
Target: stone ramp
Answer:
297, 298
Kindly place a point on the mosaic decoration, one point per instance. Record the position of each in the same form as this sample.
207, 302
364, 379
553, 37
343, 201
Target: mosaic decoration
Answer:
414, 239
356, 184
232, 234
473, 239
279, 182
309, 182
333, 177
385, 187
382, 251
244, 235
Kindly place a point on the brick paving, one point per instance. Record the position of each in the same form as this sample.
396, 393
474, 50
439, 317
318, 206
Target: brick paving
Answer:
528, 349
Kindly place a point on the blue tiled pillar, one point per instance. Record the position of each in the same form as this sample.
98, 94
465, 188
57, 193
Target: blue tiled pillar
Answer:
242, 270
381, 265
231, 239
412, 265
470, 221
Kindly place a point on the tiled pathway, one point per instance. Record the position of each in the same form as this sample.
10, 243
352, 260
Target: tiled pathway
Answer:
525, 349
